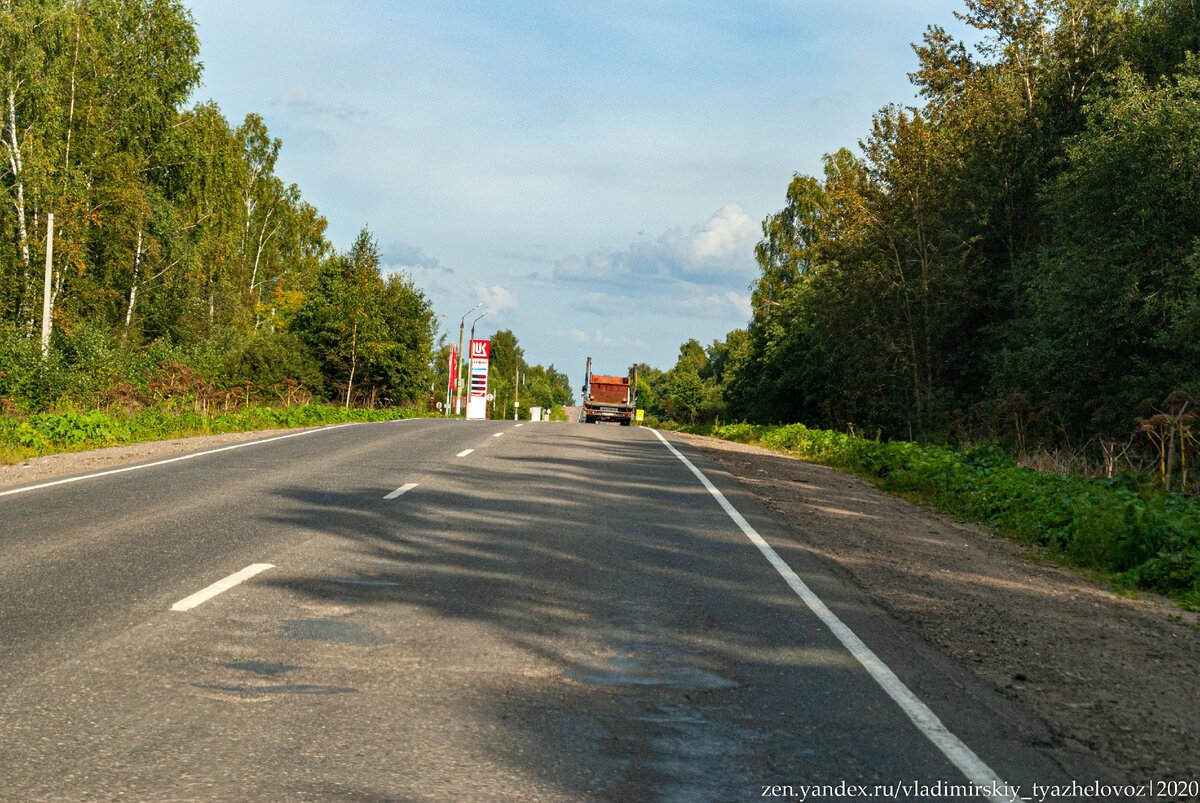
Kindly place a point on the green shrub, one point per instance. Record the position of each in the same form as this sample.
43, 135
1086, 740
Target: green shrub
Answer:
1150, 539
44, 433
270, 360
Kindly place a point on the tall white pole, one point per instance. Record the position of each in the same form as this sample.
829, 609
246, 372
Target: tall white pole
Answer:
47, 285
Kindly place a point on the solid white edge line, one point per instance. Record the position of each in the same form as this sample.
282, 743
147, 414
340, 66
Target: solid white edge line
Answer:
926, 721
403, 489
164, 462
205, 594
464, 452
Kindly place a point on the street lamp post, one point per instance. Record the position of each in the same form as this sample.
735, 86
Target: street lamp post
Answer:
462, 324
475, 322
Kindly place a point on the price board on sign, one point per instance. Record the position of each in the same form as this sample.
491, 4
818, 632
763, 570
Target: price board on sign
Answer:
480, 354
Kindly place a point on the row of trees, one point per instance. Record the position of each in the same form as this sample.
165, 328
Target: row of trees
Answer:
171, 225
1016, 260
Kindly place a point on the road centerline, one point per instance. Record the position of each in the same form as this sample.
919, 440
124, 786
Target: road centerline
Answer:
959, 754
403, 489
222, 585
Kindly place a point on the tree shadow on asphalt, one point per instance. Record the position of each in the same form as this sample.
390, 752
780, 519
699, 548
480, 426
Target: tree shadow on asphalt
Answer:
691, 670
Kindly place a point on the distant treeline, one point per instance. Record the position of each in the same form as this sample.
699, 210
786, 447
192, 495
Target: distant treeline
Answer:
1017, 261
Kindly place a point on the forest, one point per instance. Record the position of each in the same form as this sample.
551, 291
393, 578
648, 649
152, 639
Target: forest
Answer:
184, 273
1015, 261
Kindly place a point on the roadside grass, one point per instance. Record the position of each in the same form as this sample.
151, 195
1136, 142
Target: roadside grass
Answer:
1121, 530
22, 437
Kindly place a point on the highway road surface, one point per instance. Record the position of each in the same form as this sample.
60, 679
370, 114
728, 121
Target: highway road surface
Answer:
444, 610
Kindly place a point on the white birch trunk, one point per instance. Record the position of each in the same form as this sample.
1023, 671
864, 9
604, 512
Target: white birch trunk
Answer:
263, 238
71, 112
353, 361
18, 170
133, 286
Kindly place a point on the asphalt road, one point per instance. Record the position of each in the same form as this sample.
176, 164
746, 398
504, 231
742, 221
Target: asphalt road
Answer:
563, 613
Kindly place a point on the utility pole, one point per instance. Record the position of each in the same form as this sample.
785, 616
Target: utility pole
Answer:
462, 324
46, 324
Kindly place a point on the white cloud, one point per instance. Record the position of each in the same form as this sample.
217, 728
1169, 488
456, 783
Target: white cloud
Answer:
597, 303
723, 244
718, 251
717, 304
496, 300
596, 338
300, 101
409, 257
740, 303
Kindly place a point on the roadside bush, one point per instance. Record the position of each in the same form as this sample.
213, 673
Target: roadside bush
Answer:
1150, 539
44, 433
274, 362
22, 370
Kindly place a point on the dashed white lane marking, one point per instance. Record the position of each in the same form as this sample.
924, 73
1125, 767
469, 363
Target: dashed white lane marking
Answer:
464, 452
205, 594
403, 489
517, 425
498, 434
926, 721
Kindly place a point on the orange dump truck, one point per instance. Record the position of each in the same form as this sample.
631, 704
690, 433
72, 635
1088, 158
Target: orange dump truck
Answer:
609, 398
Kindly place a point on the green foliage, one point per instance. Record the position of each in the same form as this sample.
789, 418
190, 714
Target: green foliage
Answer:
277, 362
540, 386
184, 268
44, 433
372, 337
1017, 261
1151, 540
1116, 303
691, 392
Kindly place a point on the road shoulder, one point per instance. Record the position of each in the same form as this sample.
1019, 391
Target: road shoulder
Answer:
66, 464
1116, 675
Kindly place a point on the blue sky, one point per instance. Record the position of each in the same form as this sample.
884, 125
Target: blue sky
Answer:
595, 173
